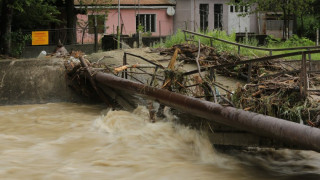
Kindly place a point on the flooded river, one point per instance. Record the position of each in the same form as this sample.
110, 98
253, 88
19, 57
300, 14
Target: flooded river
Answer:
72, 141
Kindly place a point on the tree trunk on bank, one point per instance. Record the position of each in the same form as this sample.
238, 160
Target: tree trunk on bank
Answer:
71, 33
302, 26
295, 24
5, 31
284, 23
288, 25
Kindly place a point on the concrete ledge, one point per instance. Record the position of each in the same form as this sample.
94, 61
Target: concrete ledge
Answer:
34, 81
34, 51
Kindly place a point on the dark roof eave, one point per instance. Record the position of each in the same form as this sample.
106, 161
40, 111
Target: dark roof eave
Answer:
131, 5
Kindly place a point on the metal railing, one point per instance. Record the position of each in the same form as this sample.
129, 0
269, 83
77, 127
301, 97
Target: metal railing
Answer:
304, 71
270, 50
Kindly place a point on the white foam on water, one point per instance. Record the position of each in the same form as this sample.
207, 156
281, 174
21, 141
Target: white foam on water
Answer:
71, 141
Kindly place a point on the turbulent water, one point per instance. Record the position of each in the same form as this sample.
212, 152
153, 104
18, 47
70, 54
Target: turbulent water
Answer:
71, 141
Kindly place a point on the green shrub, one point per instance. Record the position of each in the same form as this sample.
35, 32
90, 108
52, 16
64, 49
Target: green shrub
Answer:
18, 40
273, 43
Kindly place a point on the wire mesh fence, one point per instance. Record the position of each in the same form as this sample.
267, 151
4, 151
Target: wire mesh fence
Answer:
66, 36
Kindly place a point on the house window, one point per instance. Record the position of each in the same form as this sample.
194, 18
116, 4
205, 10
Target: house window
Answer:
218, 16
99, 19
246, 9
231, 8
236, 8
204, 12
241, 8
147, 21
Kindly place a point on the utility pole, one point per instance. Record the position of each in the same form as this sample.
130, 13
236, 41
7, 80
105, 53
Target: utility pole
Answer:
139, 23
138, 12
118, 29
95, 34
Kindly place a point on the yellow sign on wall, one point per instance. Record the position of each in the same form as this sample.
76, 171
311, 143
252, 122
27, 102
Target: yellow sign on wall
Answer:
40, 38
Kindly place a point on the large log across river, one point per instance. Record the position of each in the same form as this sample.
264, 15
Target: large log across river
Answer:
300, 135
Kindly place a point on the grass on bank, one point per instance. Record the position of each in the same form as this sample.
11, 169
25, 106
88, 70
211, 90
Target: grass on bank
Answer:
272, 43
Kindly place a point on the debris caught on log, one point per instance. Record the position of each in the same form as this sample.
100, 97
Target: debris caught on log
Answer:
277, 97
210, 56
273, 89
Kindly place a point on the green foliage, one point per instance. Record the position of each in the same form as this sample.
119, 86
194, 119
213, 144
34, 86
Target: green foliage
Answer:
147, 34
287, 8
177, 38
18, 42
220, 46
296, 7
281, 103
294, 41
140, 28
308, 24
28, 14
272, 43
98, 13
34, 14
272, 40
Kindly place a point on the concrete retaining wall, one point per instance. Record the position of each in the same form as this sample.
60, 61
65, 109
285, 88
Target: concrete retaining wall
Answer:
34, 81
34, 51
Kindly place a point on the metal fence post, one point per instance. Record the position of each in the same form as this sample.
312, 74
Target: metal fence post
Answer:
303, 76
309, 55
95, 39
124, 73
249, 72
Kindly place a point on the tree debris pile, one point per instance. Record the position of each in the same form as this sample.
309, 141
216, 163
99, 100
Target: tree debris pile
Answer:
209, 56
76, 76
278, 97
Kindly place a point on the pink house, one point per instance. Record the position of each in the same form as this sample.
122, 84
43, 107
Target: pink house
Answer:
155, 17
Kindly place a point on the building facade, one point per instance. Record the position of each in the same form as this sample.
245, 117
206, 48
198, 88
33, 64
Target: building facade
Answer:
213, 14
153, 18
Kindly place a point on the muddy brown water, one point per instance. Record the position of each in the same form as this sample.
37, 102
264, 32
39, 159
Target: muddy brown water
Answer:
76, 141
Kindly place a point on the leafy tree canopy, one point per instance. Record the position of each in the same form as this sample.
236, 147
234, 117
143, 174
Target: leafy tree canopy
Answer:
296, 7
31, 13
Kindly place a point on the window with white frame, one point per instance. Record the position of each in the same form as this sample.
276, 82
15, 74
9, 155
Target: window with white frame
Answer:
204, 13
147, 22
236, 8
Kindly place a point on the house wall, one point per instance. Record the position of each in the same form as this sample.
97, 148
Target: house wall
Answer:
238, 23
164, 23
211, 13
183, 18
187, 12
87, 37
128, 18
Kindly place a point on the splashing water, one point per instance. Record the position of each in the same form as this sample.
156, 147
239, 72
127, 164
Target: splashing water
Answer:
71, 141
